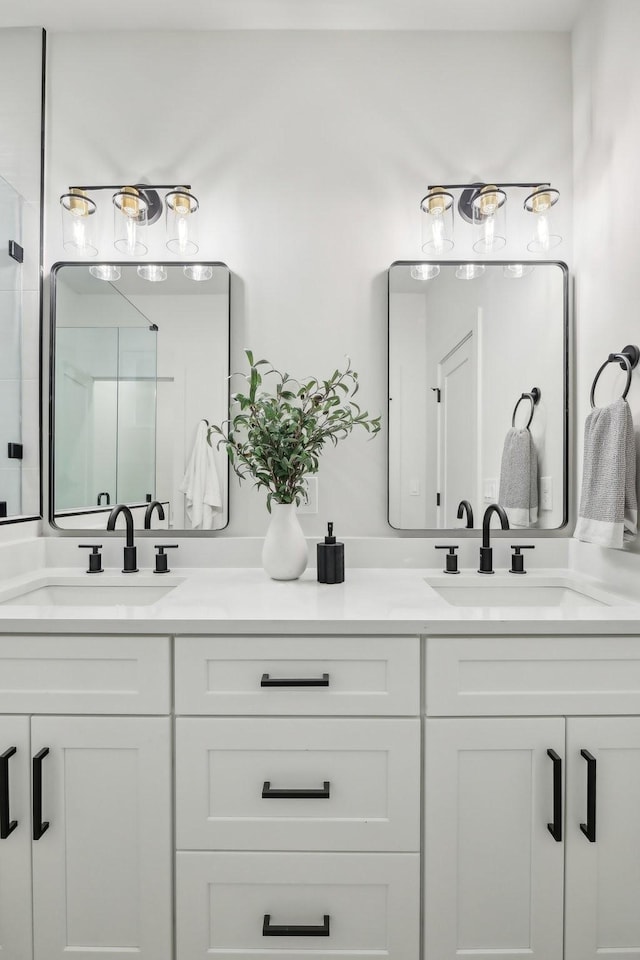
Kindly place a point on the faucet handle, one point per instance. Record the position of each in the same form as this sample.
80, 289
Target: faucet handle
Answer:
451, 558
161, 557
517, 560
95, 557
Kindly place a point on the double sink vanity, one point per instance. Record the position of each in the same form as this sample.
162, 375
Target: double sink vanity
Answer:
408, 765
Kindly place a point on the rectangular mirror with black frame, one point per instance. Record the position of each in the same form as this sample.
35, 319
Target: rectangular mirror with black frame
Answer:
139, 367
478, 394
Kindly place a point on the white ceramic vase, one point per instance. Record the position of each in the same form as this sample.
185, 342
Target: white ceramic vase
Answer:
284, 554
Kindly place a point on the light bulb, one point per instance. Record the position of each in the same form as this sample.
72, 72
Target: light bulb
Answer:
131, 236
542, 231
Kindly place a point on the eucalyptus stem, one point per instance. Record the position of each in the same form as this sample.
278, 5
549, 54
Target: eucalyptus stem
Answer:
277, 437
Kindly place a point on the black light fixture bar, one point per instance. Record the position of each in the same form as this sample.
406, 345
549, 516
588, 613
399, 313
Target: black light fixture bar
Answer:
466, 186
139, 186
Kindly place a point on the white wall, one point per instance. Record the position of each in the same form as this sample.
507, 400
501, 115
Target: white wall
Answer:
310, 153
607, 160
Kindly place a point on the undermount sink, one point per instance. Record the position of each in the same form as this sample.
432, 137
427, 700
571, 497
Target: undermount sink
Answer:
79, 592
475, 591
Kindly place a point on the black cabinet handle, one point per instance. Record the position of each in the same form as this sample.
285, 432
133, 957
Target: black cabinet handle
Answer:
322, 793
297, 930
589, 828
7, 825
40, 826
555, 828
268, 681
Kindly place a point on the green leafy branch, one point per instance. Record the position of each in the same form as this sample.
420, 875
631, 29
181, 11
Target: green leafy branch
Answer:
277, 437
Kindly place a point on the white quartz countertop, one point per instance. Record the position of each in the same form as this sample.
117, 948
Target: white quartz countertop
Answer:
246, 601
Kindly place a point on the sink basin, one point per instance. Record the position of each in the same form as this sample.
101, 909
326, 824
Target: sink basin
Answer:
79, 592
541, 592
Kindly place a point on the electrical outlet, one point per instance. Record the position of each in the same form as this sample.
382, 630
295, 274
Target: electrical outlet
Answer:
312, 492
414, 487
546, 493
490, 490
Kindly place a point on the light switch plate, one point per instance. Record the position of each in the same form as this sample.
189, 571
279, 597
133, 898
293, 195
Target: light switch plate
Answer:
546, 493
312, 492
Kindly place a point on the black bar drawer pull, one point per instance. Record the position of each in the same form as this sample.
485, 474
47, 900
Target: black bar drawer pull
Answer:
40, 826
268, 681
322, 793
297, 930
555, 828
7, 825
589, 828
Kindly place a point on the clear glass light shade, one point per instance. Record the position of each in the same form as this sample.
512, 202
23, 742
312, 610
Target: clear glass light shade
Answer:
198, 271
78, 219
182, 209
130, 222
539, 203
515, 271
436, 215
488, 210
105, 271
425, 271
154, 272
469, 271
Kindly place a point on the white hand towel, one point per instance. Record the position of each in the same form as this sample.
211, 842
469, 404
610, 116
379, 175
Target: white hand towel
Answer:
608, 513
200, 484
519, 478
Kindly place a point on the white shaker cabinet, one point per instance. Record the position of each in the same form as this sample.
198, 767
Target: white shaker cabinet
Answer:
532, 823
603, 876
15, 839
298, 798
87, 869
493, 871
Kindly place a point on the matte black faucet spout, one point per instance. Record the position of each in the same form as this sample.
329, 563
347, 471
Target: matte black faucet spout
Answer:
465, 507
486, 552
130, 558
154, 505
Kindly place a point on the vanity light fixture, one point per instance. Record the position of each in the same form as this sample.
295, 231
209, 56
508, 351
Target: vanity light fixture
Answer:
424, 271
484, 206
469, 271
154, 272
105, 271
198, 271
135, 207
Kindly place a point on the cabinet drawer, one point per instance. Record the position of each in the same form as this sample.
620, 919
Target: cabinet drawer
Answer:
57, 674
530, 676
369, 902
363, 776
298, 675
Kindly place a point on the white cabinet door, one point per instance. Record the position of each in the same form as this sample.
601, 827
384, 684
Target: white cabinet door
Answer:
102, 869
493, 871
603, 876
15, 842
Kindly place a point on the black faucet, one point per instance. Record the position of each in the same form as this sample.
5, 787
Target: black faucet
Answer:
130, 560
101, 495
465, 507
148, 512
486, 553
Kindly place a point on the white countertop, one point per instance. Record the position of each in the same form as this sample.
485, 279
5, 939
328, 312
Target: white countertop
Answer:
246, 601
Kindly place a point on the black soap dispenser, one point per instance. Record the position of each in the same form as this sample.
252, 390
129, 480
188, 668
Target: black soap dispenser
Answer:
330, 559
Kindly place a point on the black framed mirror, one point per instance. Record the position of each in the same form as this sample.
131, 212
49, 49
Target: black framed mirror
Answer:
138, 369
478, 366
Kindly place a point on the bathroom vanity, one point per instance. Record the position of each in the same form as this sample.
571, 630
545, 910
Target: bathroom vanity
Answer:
364, 769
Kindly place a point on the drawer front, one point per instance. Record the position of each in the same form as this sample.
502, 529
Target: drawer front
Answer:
298, 675
94, 675
359, 783
368, 904
529, 676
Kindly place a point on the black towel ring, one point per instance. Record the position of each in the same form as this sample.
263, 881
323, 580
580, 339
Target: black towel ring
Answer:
628, 359
533, 398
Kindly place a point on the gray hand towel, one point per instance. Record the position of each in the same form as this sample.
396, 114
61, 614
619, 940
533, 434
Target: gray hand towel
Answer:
608, 512
519, 478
